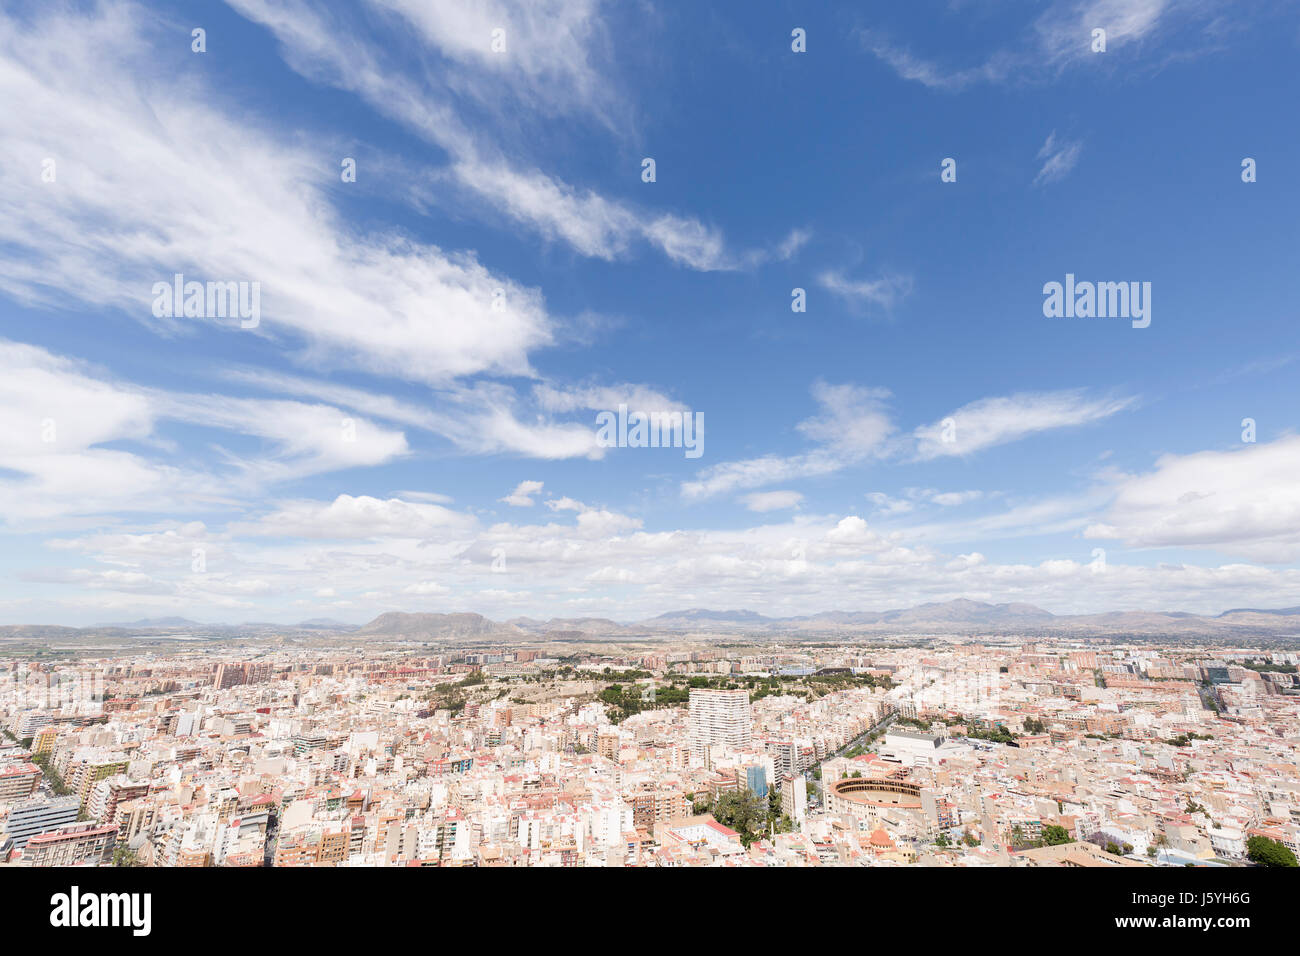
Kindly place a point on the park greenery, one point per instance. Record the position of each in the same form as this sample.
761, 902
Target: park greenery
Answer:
1263, 851
52, 777
748, 814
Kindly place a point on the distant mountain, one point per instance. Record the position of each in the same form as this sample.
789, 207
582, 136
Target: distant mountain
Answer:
957, 617
157, 622
1284, 611
40, 632
568, 625
972, 613
963, 615
325, 624
1242, 617
961, 612
417, 626
698, 616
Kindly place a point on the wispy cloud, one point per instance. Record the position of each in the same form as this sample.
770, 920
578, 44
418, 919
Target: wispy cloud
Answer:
1059, 159
852, 426
929, 73
549, 63
885, 291
1060, 37
58, 416
764, 501
485, 418
996, 421
155, 177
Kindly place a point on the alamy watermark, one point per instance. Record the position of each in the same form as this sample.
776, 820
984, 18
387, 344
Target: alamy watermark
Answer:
212, 300
651, 430
1102, 300
73, 909
70, 688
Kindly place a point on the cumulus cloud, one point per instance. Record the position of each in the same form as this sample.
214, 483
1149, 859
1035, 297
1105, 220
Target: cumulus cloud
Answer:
522, 496
1244, 502
378, 554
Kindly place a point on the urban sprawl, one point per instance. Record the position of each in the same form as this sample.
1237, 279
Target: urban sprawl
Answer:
970, 752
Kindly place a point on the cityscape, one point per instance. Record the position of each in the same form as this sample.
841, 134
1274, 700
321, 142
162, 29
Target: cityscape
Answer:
569, 747
578, 434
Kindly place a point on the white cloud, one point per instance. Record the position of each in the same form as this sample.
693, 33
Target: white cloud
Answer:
1059, 159
424, 588
886, 291
357, 517
929, 73
1244, 502
381, 555
1061, 37
790, 246
304, 439
58, 413
554, 49
49, 402
551, 68
852, 426
522, 496
643, 398
566, 504
1064, 30
850, 530
764, 501
483, 419
887, 505
154, 178
996, 421
949, 499
1061, 514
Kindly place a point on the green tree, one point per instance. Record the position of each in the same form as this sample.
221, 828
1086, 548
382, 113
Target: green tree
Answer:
742, 811
773, 804
56, 783
1055, 836
123, 855
1263, 851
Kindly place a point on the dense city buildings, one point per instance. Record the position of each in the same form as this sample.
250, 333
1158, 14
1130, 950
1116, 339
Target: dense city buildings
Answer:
684, 751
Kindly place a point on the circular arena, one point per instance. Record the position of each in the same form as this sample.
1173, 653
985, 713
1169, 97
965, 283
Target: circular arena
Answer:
876, 792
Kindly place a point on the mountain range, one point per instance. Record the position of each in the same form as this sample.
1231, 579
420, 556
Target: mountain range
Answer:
959, 616
956, 617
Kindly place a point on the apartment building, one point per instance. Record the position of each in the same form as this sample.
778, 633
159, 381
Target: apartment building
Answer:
36, 815
18, 780
718, 718
69, 846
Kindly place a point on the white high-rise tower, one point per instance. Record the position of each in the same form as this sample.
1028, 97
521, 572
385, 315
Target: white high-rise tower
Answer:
719, 717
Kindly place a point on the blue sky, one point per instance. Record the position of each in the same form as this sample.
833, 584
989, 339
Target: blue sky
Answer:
386, 438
